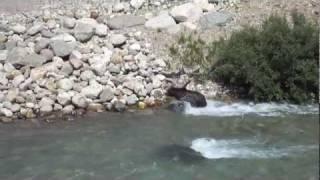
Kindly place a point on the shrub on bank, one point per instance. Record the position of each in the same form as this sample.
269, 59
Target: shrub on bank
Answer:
277, 62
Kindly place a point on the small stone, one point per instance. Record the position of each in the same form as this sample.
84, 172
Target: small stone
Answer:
66, 69
18, 80
137, 4
76, 55
83, 31
118, 7
47, 54
132, 99
76, 63
186, 12
125, 21
141, 105
46, 109
92, 91
101, 30
57, 107
3, 55
162, 21
65, 84
118, 40
135, 47
87, 75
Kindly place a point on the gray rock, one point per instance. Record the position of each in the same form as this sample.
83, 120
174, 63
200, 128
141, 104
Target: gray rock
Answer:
158, 94
92, 91
46, 109
161, 21
22, 57
95, 107
101, 30
35, 29
213, 19
69, 109
19, 29
66, 69
6, 112
3, 78
87, 75
186, 12
177, 106
69, 22
3, 55
15, 108
137, 4
41, 44
83, 31
118, 40
76, 63
107, 94
46, 101
132, 99
65, 84
64, 98
119, 106
79, 101
62, 48
125, 21
18, 80
47, 54
57, 107
76, 55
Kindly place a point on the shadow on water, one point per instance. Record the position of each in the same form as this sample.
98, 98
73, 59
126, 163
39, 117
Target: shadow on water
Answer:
179, 153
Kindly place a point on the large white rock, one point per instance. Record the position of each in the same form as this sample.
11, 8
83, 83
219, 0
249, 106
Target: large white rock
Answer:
92, 91
162, 21
137, 3
186, 12
65, 84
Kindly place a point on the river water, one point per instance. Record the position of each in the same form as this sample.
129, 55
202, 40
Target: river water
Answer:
220, 142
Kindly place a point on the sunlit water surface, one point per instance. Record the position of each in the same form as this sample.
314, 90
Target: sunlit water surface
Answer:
220, 142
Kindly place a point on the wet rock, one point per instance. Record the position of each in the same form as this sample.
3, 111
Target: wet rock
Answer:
125, 21
45, 109
186, 12
69, 109
95, 107
177, 106
119, 106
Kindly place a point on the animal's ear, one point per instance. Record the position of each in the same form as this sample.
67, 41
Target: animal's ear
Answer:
185, 86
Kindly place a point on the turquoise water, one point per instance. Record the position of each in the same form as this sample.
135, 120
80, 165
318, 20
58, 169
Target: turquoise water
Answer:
154, 145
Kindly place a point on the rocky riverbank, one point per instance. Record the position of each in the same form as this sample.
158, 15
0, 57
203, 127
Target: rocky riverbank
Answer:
74, 58
92, 58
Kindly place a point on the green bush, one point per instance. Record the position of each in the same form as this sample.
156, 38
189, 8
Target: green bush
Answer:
276, 62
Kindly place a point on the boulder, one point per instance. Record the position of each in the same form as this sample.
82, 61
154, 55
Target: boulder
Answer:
62, 48
186, 12
83, 31
79, 101
125, 21
161, 21
107, 94
21, 56
214, 19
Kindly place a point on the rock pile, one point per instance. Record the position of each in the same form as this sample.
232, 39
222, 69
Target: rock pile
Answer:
86, 60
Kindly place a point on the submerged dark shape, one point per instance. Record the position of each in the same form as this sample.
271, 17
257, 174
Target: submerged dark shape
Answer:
177, 106
195, 98
179, 153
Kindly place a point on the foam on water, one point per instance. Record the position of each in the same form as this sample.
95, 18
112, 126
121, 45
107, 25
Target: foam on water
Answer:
243, 149
218, 108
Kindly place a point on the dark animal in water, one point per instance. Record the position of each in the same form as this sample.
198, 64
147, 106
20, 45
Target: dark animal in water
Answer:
195, 98
179, 153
